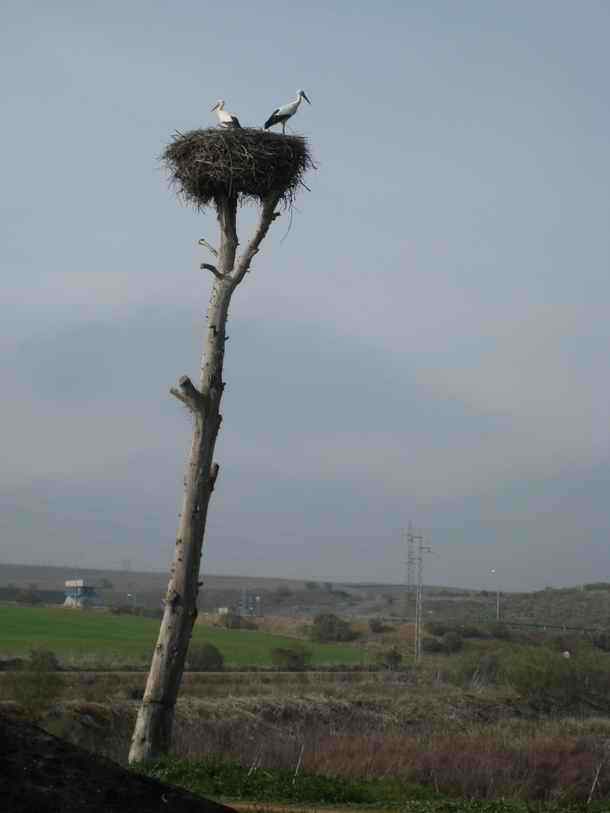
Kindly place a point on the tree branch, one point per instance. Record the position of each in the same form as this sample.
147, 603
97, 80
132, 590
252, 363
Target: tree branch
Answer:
213, 269
203, 242
267, 216
226, 210
189, 395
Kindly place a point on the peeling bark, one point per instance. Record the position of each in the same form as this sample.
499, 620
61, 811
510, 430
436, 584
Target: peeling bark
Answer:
152, 734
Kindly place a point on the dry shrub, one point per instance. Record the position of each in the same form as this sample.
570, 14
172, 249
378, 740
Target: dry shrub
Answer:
470, 766
38, 685
102, 687
362, 741
213, 164
204, 658
270, 732
365, 756
284, 625
405, 632
99, 728
294, 657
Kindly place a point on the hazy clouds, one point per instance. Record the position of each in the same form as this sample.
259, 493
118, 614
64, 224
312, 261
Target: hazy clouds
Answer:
428, 342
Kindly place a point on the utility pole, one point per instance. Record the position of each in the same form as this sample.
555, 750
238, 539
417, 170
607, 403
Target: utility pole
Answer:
493, 572
410, 567
420, 549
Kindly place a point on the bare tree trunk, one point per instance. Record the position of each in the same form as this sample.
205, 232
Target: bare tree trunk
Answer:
153, 729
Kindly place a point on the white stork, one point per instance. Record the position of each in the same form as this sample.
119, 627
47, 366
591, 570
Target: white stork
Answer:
225, 119
282, 114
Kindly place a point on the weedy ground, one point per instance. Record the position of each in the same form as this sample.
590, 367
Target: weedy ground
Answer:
398, 740
503, 725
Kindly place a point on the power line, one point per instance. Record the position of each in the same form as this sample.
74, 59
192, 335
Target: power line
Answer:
410, 569
414, 582
420, 549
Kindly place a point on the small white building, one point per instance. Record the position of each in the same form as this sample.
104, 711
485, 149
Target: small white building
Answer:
79, 594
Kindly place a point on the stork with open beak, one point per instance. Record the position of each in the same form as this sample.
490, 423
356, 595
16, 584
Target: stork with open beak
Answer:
225, 119
282, 114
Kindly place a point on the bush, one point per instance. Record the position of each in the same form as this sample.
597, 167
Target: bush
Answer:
205, 658
123, 609
234, 621
472, 632
291, 658
478, 671
431, 645
551, 682
452, 642
601, 640
438, 628
500, 631
561, 643
377, 626
28, 596
8, 664
43, 660
489, 667
39, 684
329, 627
390, 659
597, 586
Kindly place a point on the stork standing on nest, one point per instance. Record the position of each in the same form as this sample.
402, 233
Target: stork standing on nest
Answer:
282, 114
225, 119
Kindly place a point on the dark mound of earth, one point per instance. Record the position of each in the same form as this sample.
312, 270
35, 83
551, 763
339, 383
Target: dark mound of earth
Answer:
40, 773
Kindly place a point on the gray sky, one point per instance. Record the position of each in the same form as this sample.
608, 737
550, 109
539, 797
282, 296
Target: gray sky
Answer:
428, 343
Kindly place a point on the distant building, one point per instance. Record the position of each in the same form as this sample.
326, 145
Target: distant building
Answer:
80, 595
250, 604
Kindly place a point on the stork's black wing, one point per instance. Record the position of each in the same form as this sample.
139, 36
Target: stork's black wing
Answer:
272, 119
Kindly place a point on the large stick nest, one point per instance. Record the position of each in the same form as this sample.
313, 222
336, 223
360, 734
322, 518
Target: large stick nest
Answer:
213, 164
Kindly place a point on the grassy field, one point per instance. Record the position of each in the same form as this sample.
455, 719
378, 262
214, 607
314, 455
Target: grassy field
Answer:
75, 634
510, 724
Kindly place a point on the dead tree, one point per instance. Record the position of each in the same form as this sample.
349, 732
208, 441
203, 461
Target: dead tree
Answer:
223, 169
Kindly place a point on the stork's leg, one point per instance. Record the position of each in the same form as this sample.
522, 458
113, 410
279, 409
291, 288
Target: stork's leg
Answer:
283, 128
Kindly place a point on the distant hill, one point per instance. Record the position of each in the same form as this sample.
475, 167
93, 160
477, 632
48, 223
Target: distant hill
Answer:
585, 606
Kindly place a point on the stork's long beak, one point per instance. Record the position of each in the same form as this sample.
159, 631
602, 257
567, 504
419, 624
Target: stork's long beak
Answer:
213, 108
305, 97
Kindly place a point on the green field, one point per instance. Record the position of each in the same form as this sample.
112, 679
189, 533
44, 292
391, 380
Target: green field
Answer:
93, 634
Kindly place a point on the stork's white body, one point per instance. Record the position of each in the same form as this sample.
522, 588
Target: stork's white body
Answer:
289, 109
225, 119
282, 114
